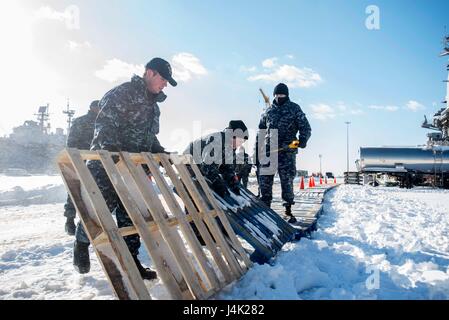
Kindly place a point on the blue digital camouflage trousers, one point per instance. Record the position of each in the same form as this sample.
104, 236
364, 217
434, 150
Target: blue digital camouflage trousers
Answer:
114, 204
287, 173
69, 209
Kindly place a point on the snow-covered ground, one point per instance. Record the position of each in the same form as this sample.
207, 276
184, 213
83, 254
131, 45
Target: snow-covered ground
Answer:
372, 243
35, 252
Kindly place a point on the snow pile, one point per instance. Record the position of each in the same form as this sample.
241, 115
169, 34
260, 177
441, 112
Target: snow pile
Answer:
372, 243
25, 191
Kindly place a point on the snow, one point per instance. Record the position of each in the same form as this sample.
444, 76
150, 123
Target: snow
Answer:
28, 183
371, 243
35, 257
26, 191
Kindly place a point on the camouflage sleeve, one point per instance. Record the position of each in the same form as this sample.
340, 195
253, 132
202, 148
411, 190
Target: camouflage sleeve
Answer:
107, 123
155, 121
263, 121
246, 170
210, 170
303, 125
73, 140
156, 145
228, 174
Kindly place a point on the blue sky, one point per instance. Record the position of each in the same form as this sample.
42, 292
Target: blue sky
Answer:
346, 72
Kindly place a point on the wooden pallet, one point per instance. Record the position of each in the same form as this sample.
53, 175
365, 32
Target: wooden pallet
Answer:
187, 269
261, 227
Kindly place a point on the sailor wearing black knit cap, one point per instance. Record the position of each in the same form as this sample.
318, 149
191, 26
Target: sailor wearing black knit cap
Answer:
289, 120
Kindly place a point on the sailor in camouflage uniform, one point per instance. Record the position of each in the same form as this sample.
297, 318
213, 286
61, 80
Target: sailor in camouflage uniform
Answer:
288, 118
220, 171
80, 137
128, 121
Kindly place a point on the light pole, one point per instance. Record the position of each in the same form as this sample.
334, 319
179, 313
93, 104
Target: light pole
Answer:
347, 145
321, 174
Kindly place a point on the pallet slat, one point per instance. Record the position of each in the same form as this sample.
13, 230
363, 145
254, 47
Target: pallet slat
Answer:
171, 238
199, 223
131, 282
139, 222
181, 217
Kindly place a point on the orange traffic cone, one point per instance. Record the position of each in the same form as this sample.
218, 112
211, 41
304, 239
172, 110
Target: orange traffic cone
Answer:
313, 182
335, 180
310, 182
301, 185
321, 180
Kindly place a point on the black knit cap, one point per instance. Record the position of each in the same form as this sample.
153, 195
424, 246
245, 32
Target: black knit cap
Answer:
238, 124
163, 68
281, 88
94, 103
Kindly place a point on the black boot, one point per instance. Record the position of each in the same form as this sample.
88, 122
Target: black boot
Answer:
81, 260
288, 212
145, 273
70, 226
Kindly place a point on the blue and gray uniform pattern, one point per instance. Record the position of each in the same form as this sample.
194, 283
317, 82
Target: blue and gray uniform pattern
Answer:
128, 121
242, 170
290, 121
80, 137
220, 174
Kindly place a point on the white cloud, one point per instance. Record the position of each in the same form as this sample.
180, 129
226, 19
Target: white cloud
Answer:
293, 76
70, 16
269, 63
47, 12
290, 56
116, 69
385, 108
414, 106
19, 44
248, 69
73, 45
356, 111
322, 111
186, 67
341, 106
347, 110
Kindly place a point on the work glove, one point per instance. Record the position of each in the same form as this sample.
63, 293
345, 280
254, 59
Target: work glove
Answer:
302, 144
235, 185
159, 149
235, 189
115, 158
220, 188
